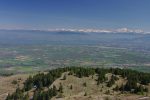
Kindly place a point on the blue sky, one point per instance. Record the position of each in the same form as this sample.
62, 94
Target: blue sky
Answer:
97, 14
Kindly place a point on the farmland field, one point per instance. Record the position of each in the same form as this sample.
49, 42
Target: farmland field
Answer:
20, 59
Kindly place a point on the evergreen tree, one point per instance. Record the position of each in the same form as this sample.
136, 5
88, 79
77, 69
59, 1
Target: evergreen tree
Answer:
61, 88
71, 87
84, 84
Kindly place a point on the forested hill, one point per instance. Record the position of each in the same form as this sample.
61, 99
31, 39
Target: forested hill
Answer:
41, 86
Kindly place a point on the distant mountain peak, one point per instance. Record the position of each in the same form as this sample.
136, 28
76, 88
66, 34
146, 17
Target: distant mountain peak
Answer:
120, 30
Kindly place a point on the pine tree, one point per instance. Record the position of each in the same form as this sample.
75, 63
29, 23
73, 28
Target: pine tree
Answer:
71, 87
61, 88
54, 90
85, 94
84, 84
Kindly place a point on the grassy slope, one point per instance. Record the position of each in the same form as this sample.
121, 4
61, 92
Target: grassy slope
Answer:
6, 85
77, 92
93, 91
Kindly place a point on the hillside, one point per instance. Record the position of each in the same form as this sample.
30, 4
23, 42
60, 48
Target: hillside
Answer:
78, 83
8, 84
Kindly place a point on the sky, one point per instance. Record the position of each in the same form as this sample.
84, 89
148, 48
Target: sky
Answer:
76, 14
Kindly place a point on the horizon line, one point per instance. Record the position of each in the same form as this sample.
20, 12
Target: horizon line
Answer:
85, 30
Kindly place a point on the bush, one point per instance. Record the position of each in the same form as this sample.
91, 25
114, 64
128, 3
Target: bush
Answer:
14, 82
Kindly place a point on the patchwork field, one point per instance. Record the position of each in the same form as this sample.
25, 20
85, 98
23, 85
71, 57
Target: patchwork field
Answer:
20, 59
